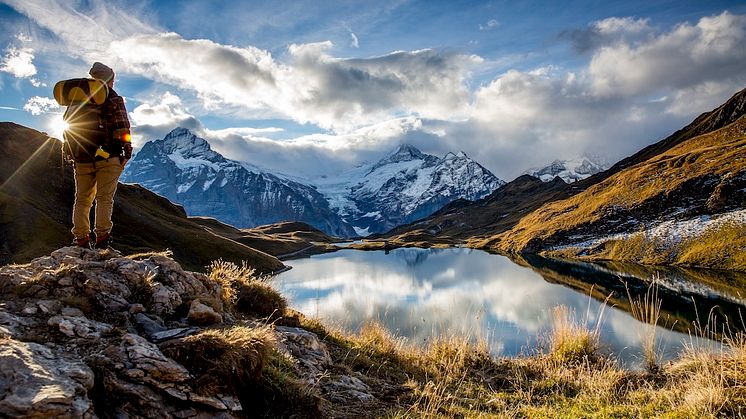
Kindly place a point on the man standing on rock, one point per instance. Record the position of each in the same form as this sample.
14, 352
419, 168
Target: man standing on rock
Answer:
98, 140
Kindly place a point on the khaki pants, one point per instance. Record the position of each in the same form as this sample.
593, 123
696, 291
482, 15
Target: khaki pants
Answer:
97, 182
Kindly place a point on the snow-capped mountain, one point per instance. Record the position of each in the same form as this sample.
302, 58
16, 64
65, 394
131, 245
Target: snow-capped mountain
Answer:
570, 170
404, 186
183, 168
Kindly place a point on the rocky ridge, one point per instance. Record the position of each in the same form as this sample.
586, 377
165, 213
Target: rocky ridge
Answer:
571, 170
86, 334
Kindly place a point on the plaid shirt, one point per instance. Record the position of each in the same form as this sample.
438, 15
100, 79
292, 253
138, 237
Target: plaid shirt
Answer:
117, 123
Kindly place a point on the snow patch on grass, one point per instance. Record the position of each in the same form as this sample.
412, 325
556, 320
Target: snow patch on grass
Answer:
669, 233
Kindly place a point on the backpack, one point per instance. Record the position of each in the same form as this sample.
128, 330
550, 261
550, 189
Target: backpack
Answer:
87, 131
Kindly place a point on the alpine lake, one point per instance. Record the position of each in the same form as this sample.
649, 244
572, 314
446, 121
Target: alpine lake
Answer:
419, 294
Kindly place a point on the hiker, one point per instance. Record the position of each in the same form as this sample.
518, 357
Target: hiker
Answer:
98, 140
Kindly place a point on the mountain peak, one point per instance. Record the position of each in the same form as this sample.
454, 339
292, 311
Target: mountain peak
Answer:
405, 149
570, 170
403, 153
185, 142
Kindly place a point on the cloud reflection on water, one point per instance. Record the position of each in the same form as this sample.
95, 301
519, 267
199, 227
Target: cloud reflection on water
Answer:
420, 293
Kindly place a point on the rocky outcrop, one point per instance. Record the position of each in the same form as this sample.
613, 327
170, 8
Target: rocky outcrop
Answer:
40, 381
83, 334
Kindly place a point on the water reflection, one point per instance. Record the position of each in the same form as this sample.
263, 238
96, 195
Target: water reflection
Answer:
420, 293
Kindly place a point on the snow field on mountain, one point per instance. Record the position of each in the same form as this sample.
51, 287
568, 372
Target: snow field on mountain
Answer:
671, 233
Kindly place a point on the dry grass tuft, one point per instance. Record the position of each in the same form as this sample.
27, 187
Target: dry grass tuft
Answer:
146, 255
243, 290
260, 299
570, 341
712, 381
230, 276
223, 360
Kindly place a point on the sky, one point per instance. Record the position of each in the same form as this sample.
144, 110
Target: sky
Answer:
313, 88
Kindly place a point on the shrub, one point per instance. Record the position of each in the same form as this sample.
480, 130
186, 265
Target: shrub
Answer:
223, 360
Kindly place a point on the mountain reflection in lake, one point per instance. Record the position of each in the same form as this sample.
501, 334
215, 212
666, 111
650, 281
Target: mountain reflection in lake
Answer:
421, 293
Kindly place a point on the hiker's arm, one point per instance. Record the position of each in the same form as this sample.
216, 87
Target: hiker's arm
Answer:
121, 126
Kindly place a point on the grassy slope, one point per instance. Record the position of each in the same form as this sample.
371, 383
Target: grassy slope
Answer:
36, 200
711, 158
280, 239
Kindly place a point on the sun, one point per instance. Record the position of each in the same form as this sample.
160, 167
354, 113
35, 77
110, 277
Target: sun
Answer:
57, 126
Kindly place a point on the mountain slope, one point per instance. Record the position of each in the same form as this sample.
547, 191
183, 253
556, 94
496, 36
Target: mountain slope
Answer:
183, 168
662, 210
282, 240
723, 115
463, 220
36, 199
404, 186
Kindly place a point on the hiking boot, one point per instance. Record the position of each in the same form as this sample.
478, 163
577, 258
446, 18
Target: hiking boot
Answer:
104, 241
84, 242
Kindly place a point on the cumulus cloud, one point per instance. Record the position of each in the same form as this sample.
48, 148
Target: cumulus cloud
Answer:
634, 91
19, 61
38, 105
606, 32
621, 25
347, 93
162, 114
333, 93
711, 50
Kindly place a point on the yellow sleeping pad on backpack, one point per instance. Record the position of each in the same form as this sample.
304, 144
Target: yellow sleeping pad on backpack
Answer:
80, 92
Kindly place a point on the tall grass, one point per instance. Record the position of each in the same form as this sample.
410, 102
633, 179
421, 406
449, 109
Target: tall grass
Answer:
647, 310
572, 341
456, 377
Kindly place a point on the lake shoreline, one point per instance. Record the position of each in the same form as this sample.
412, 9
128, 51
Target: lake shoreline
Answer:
390, 245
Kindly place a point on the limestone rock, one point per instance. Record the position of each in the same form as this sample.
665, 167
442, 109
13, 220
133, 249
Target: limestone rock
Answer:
305, 348
347, 386
36, 382
79, 326
203, 315
49, 306
13, 325
165, 299
145, 356
52, 378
